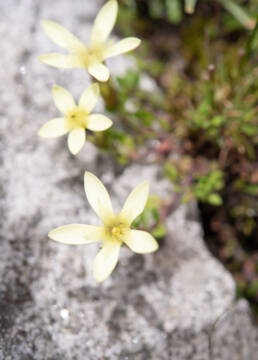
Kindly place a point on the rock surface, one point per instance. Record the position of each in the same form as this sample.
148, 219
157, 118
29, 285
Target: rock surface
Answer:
159, 306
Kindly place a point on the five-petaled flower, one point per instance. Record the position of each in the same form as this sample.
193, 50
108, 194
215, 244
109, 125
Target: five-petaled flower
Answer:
100, 49
76, 118
115, 229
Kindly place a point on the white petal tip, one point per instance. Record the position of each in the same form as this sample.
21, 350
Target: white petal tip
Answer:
104, 78
145, 185
76, 140
44, 22
51, 235
137, 42
42, 133
146, 182
98, 279
88, 174
147, 250
41, 58
73, 151
99, 71
155, 248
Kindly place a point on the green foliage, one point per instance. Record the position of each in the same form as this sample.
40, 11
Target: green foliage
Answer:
173, 9
190, 6
238, 12
203, 187
201, 124
206, 187
150, 218
172, 173
127, 84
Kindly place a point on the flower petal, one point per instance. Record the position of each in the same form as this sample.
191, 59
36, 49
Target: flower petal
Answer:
76, 234
106, 260
89, 98
104, 23
63, 99
62, 37
98, 122
99, 71
54, 128
135, 203
62, 61
140, 242
121, 47
76, 140
98, 196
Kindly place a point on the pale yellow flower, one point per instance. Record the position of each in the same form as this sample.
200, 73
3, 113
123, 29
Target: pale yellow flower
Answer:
115, 229
76, 119
100, 48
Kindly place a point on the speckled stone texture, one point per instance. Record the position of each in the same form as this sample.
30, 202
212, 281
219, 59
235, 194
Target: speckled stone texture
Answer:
158, 306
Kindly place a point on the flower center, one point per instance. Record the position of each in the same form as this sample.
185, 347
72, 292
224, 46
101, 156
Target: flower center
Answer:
96, 53
116, 231
77, 118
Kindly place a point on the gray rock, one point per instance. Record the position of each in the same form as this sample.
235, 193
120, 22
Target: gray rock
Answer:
159, 306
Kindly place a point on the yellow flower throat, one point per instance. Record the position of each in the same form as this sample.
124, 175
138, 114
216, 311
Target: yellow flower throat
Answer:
77, 118
116, 231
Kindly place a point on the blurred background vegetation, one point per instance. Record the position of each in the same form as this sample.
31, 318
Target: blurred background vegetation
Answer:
199, 121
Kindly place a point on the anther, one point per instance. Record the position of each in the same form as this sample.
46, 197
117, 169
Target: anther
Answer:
116, 230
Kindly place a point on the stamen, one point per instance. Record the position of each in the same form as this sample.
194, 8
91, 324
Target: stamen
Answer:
116, 231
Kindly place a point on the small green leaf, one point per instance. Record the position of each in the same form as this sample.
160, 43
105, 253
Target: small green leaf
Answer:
159, 231
190, 6
171, 172
146, 117
217, 121
239, 13
215, 199
156, 9
129, 81
249, 129
251, 189
174, 11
